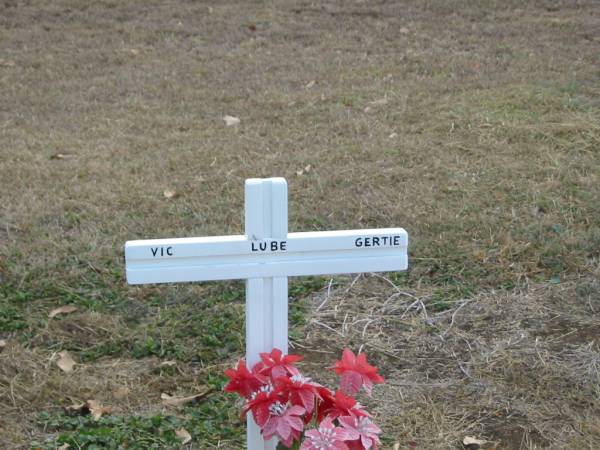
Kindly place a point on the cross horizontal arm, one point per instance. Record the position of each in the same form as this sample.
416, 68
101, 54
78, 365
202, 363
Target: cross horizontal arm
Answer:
237, 257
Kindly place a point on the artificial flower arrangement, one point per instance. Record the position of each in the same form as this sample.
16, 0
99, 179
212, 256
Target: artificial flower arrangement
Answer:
303, 414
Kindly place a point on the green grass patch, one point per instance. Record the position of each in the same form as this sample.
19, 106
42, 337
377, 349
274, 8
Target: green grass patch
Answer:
303, 286
445, 298
11, 317
103, 349
12, 313
216, 419
209, 423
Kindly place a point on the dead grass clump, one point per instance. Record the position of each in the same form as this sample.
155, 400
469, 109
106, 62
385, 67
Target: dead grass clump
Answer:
82, 331
508, 367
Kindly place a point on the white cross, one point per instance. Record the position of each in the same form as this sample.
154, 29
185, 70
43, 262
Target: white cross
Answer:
265, 257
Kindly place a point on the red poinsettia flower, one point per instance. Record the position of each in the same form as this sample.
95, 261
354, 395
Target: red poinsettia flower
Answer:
285, 422
356, 372
334, 406
365, 432
276, 364
302, 391
325, 402
261, 401
242, 381
327, 437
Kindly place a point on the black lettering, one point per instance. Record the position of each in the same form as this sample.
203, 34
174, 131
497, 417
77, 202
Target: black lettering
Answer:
254, 249
273, 246
170, 251
396, 240
262, 246
282, 245
384, 239
375, 241
154, 251
358, 242
367, 242
162, 251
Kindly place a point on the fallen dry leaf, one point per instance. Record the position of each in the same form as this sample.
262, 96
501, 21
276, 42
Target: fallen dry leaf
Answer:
6, 63
77, 408
65, 362
63, 447
183, 435
62, 156
121, 393
380, 102
2, 344
372, 106
97, 410
169, 400
310, 84
170, 193
67, 309
231, 120
472, 443
167, 364
404, 30
304, 170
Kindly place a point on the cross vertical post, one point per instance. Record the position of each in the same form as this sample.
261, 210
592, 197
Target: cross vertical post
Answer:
266, 217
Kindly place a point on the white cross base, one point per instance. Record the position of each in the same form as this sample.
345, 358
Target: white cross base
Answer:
265, 257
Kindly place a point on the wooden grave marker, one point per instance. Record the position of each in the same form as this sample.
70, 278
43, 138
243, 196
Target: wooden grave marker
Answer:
265, 257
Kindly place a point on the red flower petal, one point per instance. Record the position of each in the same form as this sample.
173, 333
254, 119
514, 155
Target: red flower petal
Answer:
275, 364
349, 365
242, 381
351, 382
283, 428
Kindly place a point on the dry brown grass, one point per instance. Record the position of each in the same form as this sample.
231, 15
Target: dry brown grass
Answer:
520, 369
473, 124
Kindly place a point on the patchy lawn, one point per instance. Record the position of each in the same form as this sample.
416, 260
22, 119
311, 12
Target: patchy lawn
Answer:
475, 125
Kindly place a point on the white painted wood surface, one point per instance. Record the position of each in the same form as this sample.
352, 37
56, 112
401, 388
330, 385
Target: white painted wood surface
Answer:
232, 257
265, 256
266, 217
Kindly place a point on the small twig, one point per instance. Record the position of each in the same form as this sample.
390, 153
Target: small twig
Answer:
390, 298
558, 338
326, 295
424, 310
354, 322
463, 370
445, 333
385, 352
391, 283
409, 308
353, 282
460, 365
328, 327
364, 331
12, 391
